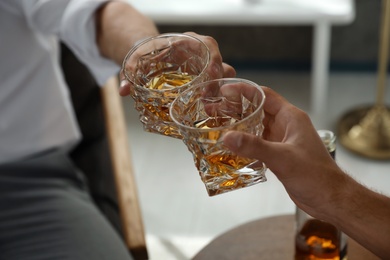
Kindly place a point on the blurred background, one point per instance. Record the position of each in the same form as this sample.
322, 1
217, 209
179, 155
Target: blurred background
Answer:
179, 216
354, 46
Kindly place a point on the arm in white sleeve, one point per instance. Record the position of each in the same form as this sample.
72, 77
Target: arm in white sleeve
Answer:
117, 26
78, 31
100, 39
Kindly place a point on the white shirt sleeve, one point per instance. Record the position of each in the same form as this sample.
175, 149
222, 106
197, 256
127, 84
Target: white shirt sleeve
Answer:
73, 21
78, 31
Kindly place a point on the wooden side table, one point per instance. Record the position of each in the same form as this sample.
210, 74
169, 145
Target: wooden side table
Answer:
265, 239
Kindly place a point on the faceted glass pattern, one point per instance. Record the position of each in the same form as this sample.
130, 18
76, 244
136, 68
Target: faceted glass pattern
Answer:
159, 68
204, 113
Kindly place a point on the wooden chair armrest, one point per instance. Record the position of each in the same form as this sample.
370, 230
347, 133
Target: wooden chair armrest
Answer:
130, 212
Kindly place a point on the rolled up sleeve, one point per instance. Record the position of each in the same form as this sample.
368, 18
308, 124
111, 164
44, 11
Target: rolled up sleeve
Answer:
78, 31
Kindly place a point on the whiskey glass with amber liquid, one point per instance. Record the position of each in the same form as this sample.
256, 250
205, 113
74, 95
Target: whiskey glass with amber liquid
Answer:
158, 69
316, 239
204, 113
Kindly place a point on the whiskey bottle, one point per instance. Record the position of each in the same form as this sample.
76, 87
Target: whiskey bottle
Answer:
316, 239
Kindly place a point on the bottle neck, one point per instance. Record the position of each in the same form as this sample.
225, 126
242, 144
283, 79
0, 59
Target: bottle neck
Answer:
329, 140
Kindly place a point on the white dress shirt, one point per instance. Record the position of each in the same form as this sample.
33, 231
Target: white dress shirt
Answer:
35, 107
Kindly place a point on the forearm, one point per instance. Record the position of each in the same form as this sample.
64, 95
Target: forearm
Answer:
119, 26
364, 215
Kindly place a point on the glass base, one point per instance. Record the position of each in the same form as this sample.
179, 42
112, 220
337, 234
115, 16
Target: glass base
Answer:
163, 129
238, 180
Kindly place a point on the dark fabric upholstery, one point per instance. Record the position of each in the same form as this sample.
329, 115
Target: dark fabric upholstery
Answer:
92, 154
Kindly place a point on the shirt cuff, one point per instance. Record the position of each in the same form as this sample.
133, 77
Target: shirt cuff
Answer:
78, 32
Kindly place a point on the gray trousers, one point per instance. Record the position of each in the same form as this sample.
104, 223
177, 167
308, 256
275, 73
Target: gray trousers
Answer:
47, 213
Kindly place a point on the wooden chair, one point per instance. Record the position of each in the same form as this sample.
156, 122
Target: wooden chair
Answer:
132, 223
103, 154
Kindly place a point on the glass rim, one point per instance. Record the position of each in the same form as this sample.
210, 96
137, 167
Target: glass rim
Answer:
232, 80
161, 36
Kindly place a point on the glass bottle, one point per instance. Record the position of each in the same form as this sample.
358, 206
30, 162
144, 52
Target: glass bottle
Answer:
316, 239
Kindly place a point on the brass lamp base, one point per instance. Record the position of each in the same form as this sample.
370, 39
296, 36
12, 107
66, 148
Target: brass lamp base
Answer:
366, 131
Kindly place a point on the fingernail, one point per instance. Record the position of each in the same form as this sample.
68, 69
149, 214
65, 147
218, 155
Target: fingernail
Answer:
233, 140
123, 83
238, 140
217, 70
